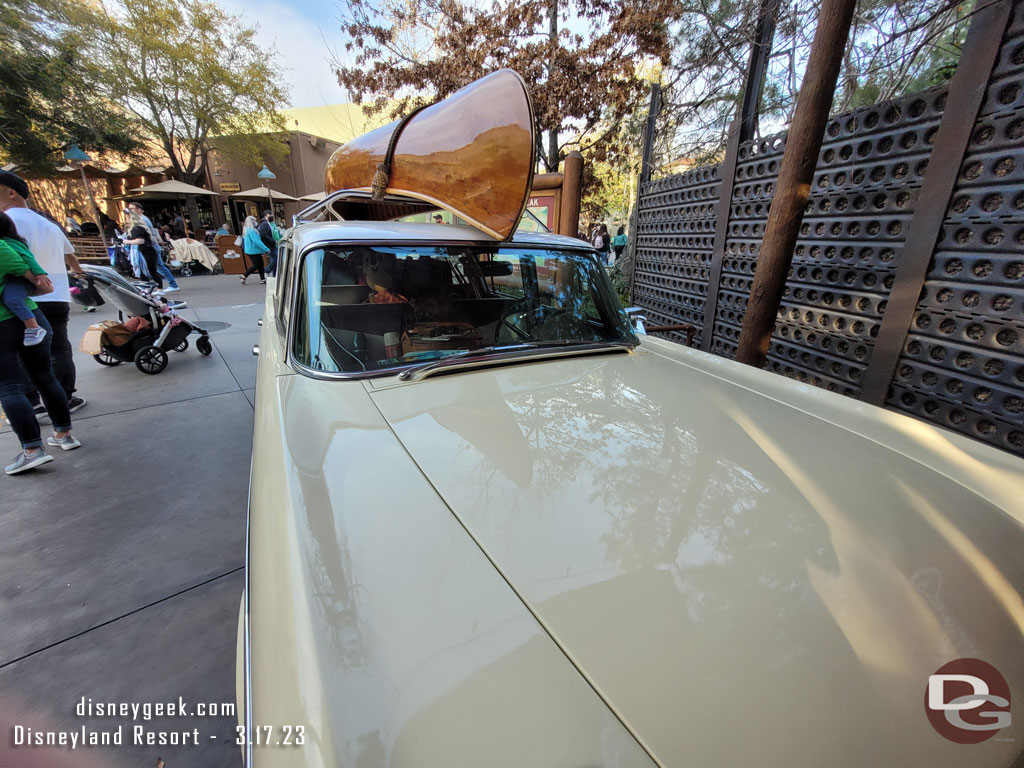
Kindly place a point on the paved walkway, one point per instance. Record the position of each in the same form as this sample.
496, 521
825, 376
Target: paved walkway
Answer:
121, 562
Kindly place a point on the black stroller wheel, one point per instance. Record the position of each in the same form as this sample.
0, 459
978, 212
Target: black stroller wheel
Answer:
182, 347
104, 358
186, 272
203, 345
151, 360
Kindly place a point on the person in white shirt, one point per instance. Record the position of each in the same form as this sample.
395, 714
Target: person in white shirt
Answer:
56, 255
71, 222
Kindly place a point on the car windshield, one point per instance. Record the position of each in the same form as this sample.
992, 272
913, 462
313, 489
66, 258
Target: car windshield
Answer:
373, 308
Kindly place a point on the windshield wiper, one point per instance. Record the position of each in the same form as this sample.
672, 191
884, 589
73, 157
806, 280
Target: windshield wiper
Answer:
486, 356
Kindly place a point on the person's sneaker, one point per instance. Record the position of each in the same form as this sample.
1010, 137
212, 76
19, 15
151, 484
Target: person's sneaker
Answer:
39, 410
23, 462
75, 404
172, 289
34, 336
67, 443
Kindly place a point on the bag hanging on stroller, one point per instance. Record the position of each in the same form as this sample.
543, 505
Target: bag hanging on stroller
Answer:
119, 260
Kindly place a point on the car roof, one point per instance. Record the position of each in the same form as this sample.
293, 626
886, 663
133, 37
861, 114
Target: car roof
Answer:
310, 234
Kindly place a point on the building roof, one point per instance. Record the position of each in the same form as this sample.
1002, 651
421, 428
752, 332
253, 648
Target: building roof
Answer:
336, 122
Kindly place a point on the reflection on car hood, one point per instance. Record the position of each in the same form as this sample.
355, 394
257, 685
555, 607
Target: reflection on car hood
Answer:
743, 582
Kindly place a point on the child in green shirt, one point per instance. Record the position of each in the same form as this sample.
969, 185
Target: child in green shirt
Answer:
16, 285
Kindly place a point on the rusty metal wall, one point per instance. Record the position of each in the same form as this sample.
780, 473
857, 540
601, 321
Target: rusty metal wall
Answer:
963, 361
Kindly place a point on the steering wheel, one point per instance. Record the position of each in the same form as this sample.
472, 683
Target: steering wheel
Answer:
528, 316
535, 323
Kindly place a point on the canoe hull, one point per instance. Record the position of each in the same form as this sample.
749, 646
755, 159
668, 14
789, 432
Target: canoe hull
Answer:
472, 154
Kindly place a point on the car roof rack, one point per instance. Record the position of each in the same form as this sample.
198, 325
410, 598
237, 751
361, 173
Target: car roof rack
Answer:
358, 205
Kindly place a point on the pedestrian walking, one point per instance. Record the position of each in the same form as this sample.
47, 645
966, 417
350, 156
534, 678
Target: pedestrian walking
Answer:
72, 224
55, 254
16, 356
266, 230
157, 241
254, 248
601, 242
139, 235
619, 242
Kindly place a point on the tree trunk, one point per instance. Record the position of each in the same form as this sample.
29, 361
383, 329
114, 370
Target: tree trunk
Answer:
795, 176
552, 153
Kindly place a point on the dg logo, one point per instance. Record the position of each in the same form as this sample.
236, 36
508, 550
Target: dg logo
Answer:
967, 701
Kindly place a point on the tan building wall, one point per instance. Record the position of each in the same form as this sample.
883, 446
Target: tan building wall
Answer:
300, 173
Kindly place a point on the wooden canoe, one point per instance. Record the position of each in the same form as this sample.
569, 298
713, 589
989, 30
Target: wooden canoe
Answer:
472, 154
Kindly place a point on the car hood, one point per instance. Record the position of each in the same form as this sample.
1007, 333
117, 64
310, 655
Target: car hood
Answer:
741, 581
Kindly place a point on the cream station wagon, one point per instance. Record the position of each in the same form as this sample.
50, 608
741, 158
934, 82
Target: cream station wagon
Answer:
492, 525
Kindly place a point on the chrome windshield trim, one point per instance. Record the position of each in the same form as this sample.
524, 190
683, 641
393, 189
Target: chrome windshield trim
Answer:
454, 363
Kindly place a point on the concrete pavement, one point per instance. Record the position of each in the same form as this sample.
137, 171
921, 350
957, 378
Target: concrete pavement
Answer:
121, 562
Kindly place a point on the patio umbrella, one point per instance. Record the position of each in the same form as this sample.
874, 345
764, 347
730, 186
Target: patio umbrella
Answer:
314, 197
264, 193
172, 187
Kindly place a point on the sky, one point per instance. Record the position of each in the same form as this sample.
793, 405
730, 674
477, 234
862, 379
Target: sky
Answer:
303, 35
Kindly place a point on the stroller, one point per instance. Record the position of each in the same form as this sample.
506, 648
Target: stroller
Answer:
148, 347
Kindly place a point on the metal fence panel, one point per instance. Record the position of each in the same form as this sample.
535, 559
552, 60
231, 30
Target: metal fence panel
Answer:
963, 361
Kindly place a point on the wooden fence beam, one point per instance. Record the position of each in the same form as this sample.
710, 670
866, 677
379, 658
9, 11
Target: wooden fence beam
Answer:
732, 149
966, 94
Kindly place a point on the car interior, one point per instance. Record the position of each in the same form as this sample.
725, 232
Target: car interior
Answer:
382, 307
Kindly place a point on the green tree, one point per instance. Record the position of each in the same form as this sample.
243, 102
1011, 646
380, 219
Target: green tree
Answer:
190, 73
49, 95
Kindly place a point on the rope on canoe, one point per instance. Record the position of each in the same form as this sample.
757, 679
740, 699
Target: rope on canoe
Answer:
382, 176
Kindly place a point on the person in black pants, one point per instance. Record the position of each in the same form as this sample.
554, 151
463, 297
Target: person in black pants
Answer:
266, 231
56, 254
254, 248
35, 361
139, 235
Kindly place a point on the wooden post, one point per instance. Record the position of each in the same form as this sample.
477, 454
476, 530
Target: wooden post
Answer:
795, 175
572, 181
552, 153
645, 176
760, 50
92, 206
649, 131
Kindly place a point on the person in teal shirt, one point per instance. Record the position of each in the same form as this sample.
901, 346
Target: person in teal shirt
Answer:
619, 242
254, 249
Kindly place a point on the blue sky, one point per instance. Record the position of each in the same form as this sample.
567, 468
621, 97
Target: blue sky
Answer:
303, 35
